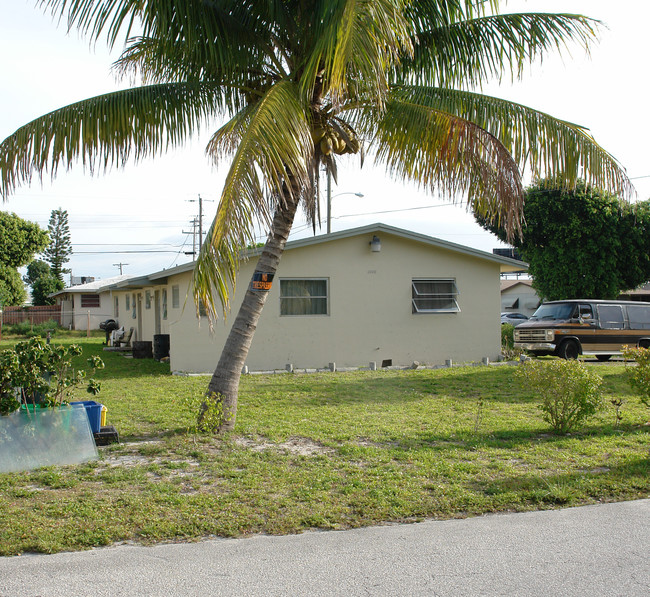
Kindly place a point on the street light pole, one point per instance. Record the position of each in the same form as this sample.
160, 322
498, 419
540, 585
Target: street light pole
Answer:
329, 200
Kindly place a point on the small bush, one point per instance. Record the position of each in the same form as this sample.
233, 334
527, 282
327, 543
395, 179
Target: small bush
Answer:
43, 373
570, 392
507, 336
205, 412
508, 349
639, 376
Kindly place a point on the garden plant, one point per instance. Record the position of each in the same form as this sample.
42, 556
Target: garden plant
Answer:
34, 371
639, 375
569, 391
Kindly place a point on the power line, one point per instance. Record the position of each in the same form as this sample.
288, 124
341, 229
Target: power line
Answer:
124, 245
118, 252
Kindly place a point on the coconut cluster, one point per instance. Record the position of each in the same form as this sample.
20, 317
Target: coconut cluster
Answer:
331, 141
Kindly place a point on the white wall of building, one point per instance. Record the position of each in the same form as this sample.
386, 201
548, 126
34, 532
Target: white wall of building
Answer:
370, 315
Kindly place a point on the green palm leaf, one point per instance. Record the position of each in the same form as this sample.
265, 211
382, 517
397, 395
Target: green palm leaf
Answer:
272, 150
470, 52
106, 130
545, 145
440, 151
344, 51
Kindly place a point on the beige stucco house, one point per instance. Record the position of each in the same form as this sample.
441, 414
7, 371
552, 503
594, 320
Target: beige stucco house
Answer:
85, 306
142, 303
340, 298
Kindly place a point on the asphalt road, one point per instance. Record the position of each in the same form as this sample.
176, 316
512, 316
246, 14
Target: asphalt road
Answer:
591, 551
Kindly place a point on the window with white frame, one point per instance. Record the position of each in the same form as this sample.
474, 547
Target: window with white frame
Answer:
164, 303
127, 300
133, 307
304, 296
434, 295
117, 308
147, 299
176, 297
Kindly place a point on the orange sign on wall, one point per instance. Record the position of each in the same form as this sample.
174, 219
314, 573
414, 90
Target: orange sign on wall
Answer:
261, 282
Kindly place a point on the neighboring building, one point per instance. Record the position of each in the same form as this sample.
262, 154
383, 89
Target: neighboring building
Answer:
142, 303
642, 293
518, 296
78, 280
87, 305
335, 298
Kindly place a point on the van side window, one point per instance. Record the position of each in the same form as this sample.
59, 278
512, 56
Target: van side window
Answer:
585, 312
639, 317
611, 317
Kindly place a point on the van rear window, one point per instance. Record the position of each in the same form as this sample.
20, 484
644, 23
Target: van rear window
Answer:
639, 317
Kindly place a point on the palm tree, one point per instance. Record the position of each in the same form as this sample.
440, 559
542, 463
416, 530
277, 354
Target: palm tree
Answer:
300, 83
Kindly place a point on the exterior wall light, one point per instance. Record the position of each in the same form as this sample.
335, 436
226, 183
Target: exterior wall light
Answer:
375, 244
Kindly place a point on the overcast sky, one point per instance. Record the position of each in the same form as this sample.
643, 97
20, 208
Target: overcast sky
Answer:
147, 206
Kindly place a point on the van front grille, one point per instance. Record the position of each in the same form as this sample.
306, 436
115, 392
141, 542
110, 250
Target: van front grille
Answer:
530, 335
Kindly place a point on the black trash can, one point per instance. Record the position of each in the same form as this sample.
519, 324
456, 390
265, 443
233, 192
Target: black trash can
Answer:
160, 346
142, 350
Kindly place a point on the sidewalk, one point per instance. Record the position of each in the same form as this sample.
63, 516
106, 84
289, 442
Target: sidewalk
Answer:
594, 551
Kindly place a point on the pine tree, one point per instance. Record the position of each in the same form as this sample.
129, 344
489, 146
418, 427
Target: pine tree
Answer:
60, 248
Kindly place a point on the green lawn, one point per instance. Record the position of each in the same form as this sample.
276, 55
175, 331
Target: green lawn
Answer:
326, 450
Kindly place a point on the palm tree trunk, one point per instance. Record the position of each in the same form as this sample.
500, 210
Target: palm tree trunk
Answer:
224, 384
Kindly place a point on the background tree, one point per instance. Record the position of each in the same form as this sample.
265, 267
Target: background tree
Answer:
43, 283
583, 243
36, 269
19, 241
12, 289
43, 287
60, 248
300, 83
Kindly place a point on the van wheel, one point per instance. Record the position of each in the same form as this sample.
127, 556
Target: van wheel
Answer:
603, 357
569, 350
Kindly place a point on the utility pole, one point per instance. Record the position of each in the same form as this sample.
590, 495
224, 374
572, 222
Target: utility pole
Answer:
194, 223
200, 201
120, 265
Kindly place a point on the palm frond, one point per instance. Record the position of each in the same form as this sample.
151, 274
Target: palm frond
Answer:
196, 22
345, 52
273, 142
470, 52
106, 130
440, 151
547, 146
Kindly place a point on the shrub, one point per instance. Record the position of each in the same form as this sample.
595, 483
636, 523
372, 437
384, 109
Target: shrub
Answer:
8, 366
508, 349
639, 376
43, 372
205, 412
570, 392
25, 328
507, 336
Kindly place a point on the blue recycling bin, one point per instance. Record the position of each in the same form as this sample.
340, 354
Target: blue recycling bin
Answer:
94, 412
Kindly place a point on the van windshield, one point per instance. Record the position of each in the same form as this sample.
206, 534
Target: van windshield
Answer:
556, 311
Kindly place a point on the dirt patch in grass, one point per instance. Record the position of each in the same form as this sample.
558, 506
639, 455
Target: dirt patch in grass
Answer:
296, 445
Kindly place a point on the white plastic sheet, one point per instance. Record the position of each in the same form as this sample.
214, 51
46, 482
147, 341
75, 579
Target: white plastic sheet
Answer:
45, 437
